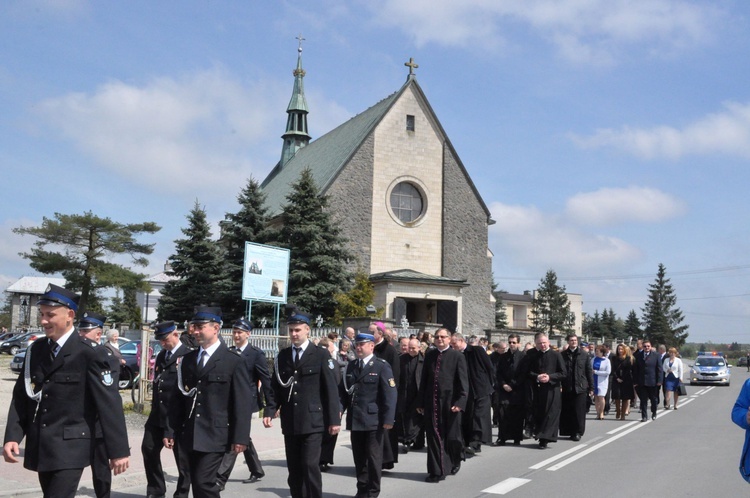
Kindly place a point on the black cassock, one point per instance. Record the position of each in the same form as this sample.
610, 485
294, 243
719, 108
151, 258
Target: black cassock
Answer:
547, 396
408, 421
387, 352
444, 384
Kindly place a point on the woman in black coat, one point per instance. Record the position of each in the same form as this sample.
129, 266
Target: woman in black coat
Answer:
622, 386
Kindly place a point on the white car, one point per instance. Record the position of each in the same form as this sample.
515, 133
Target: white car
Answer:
710, 369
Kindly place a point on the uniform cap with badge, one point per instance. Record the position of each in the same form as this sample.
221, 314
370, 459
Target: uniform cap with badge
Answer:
91, 320
243, 324
298, 317
362, 337
55, 295
204, 314
163, 329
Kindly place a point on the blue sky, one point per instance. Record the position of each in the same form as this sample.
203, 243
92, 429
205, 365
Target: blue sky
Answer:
606, 136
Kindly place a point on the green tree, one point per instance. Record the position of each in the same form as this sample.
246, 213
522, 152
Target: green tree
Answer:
354, 303
550, 308
661, 317
501, 316
632, 326
125, 309
318, 259
197, 263
5, 310
80, 247
592, 325
249, 224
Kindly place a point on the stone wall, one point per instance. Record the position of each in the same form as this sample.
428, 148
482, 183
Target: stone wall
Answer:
465, 246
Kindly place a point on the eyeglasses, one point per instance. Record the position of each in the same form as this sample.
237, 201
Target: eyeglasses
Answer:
512, 342
442, 336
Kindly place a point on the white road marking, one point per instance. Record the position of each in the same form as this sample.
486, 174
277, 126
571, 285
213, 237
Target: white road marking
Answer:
506, 486
557, 457
623, 427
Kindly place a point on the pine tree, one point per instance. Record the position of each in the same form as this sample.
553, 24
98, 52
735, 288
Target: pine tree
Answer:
125, 309
89, 243
632, 326
249, 224
197, 262
317, 266
550, 308
661, 317
592, 325
501, 316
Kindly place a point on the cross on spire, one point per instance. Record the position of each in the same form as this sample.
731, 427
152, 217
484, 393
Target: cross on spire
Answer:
411, 65
300, 40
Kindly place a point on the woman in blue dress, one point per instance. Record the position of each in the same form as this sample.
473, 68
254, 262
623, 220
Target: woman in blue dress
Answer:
672, 377
602, 368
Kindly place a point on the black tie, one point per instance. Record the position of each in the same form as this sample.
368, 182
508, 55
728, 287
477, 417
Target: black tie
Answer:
360, 365
297, 354
53, 347
167, 356
202, 359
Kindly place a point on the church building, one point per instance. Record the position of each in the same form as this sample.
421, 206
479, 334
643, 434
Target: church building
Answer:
405, 202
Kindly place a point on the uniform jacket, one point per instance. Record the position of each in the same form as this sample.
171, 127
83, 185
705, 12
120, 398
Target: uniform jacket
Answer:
220, 416
104, 355
648, 371
481, 373
580, 378
311, 403
452, 381
165, 387
372, 401
77, 387
257, 366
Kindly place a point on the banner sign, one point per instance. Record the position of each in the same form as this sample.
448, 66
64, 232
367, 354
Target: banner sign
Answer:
266, 273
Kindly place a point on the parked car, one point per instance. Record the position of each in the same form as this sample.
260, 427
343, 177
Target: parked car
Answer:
742, 361
21, 341
16, 364
130, 369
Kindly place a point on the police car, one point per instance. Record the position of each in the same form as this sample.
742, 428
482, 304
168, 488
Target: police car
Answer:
710, 368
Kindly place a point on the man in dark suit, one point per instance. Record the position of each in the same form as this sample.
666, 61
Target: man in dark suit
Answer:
210, 414
369, 393
386, 351
257, 367
65, 387
443, 392
306, 394
577, 388
165, 391
409, 423
647, 378
477, 418
90, 329
511, 393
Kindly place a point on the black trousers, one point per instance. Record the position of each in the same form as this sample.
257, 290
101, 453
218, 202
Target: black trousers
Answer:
367, 450
511, 422
229, 459
573, 413
646, 394
60, 483
203, 470
151, 447
100, 471
302, 461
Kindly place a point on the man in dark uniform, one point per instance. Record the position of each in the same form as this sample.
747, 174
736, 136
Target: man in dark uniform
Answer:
477, 418
546, 372
386, 351
90, 329
257, 367
647, 378
577, 389
306, 395
511, 393
165, 391
370, 402
210, 414
65, 387
410, 424
443, 392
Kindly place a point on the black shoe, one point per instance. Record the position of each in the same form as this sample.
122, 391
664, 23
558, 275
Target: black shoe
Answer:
417, 447
253, 478
542, 443
455, 469
434, 478
324, 467
527, 433
500, 442
469, 451
220, 485
155, 496
653, 417
477, 447
644, 419
575, 437
517, 442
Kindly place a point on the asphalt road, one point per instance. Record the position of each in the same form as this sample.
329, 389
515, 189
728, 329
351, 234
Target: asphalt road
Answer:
693, 451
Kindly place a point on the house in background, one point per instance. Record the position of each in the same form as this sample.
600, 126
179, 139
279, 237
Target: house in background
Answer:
518, 310
24, 295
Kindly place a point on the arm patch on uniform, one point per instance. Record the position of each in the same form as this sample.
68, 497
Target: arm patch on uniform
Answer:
107, 379
330, 364
391, 382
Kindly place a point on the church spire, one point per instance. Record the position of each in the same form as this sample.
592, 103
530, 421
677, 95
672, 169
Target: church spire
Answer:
296, 136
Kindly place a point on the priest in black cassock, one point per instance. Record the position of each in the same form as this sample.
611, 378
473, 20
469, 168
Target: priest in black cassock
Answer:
546, 372
386, 351
443, 393
409, 423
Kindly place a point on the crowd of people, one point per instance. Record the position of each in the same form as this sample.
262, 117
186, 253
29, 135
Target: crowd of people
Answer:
441, 392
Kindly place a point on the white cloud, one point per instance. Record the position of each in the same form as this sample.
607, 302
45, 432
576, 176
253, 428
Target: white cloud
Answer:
608, 206
527, 237
726, 132
582, 30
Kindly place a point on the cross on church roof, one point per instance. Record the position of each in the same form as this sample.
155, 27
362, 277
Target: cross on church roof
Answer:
411, 65
300, 40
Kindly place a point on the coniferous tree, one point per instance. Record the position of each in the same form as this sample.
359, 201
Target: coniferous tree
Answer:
88, 242
354, 303
249, 224
501, 316
550, 308
632, 326
592, 325
125, 309
197, 264
661, 317
317, 266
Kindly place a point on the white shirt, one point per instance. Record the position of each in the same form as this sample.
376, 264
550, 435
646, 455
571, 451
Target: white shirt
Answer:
211, 350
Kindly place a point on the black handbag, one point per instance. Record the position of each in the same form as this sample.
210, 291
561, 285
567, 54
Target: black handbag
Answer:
681, 390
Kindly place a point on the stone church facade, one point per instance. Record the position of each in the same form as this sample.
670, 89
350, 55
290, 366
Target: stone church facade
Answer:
405, 202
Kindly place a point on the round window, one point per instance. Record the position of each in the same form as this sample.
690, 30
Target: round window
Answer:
406, 202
